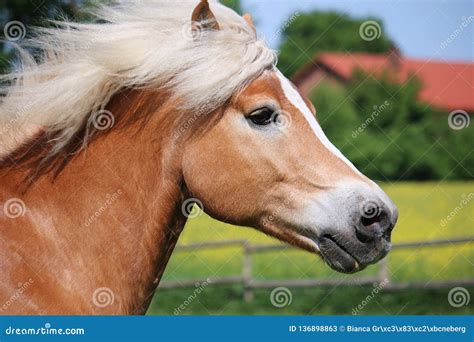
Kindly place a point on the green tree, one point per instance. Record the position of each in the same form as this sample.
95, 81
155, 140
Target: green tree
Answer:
29, 13
311, 32
388, 134
34, 12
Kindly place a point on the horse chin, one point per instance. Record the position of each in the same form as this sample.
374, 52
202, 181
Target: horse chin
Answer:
339, 252
337, 257
333, 254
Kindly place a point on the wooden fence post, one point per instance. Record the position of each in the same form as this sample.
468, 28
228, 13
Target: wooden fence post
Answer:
247, 273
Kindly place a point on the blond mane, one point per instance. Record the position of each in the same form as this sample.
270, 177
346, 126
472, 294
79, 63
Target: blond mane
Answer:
132, 44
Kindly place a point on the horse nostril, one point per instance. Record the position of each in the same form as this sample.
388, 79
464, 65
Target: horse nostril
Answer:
374, 223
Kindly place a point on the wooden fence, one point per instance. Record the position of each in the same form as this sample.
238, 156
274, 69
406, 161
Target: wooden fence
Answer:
249, 283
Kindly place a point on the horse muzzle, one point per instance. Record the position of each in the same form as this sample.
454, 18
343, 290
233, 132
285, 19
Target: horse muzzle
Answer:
366, 242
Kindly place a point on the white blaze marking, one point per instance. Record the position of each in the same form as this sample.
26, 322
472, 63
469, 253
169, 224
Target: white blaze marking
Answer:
295, 98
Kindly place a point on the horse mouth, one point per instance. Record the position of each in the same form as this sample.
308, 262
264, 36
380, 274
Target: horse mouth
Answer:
337, 256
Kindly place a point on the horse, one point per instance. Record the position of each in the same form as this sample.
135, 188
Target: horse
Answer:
120, 124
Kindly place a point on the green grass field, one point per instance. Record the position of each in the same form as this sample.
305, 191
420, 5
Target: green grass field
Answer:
422, 206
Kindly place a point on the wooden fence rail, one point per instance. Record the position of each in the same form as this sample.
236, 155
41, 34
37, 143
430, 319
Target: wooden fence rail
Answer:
249, 283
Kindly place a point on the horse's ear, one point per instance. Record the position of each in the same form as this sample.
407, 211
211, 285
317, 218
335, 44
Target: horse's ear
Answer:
203, 18
249, 20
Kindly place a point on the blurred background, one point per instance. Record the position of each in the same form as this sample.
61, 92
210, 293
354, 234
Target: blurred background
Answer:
392, 82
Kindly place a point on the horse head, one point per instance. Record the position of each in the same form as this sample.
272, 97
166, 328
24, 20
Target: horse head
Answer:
265, 162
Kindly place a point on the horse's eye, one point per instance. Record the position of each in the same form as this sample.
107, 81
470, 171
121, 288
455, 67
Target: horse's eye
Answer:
263, 117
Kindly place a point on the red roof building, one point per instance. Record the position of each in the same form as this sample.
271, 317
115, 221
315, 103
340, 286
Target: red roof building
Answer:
445, 85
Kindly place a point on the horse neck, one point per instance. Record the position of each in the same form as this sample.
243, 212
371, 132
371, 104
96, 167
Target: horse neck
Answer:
115, 215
